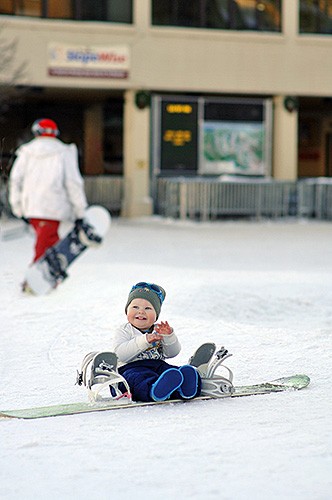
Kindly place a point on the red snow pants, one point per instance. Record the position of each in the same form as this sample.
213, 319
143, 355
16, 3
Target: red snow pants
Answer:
46, 235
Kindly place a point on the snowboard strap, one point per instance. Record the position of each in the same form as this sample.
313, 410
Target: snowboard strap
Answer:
217, 387
213, 384
81, 376
86, 234
57, 270
202, 357
99, 375
221, 356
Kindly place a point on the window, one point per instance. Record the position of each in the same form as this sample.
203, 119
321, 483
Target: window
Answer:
236, 137
116, 11
211, 136
21, 8
113, 137
316, 16
59, 10
256, 15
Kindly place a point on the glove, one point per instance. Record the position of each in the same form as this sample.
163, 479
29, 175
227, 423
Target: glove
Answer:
78, 223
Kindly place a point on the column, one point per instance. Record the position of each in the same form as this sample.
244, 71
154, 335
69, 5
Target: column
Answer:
285, 155
137, 200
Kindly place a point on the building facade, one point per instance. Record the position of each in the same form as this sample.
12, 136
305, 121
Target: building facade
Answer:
157, 88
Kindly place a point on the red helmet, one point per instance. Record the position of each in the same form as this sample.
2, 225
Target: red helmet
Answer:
45, 127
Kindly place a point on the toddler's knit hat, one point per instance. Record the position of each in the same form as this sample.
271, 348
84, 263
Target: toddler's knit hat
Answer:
155, 294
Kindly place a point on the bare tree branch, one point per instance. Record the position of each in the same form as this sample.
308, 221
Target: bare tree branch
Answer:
11, 74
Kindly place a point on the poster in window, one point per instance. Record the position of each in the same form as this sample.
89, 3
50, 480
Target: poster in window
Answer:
233, 147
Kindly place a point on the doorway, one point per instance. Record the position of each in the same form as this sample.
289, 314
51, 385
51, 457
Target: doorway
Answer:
328, 154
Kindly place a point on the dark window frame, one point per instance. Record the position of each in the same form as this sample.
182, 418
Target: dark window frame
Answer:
78, 9
211, 14
315, 17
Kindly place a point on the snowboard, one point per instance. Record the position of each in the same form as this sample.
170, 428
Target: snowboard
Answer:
294, 382
51, 269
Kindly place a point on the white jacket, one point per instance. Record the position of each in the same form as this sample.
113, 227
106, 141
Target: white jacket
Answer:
130, 344
45, 181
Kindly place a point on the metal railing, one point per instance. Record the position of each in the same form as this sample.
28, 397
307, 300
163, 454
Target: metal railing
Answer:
315, 198
324, 201
208, 199
105, 190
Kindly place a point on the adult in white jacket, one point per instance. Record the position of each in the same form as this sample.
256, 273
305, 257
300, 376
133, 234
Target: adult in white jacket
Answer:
46, 186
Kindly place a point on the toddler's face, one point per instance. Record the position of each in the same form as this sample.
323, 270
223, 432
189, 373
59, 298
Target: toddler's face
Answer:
141, 314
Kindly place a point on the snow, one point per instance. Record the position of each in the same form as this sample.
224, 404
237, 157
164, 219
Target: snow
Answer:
260, 288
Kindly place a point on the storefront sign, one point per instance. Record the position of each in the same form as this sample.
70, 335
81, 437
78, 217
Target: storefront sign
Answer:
88, 61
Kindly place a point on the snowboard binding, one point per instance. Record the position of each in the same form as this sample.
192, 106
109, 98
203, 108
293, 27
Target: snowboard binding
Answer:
86, 234
100, 376
207, 361
56, 267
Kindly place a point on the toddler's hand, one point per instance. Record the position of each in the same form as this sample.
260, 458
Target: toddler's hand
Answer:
153, 337
163, 328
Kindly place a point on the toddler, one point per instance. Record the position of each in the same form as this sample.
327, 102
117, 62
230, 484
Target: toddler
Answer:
142, 345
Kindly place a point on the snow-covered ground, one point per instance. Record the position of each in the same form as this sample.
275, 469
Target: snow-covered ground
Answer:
262, 289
